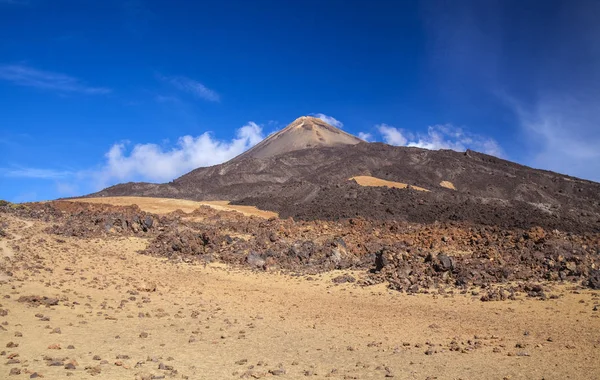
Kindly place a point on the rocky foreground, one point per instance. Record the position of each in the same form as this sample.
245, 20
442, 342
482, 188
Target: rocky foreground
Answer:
116, 292
407, 257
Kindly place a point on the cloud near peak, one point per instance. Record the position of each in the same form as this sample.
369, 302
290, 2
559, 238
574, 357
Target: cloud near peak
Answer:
330, 120
441, 136
151, 162
145, 162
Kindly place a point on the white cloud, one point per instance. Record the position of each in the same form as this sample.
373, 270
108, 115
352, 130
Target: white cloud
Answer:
151, 162
443, 136
391, 135
365, 136
29, 77
146, 162
330, 120
191, 86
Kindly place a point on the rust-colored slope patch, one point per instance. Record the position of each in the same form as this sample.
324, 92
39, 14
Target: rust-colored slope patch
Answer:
364, 180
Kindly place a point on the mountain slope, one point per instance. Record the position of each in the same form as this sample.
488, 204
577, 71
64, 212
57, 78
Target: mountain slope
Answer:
314, 183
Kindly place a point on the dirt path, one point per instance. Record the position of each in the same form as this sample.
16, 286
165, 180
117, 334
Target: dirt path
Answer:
122, 315
6, 250
5, 244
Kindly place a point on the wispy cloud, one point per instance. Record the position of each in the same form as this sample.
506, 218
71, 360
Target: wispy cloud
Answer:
36, 173
27, 76
441, 136
562, 133
552, 95
329, 120
191, 86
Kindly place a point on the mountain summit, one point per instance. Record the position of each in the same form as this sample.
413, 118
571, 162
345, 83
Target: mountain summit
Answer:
303, 133
312, 170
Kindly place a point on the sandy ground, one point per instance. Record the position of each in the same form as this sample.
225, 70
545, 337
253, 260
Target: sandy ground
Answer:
364, 180
123, 315
167, 205
447, 185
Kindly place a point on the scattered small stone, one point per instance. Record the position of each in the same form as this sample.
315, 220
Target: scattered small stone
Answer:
96, 370
345, 278
38, 300
388, 372
277, 372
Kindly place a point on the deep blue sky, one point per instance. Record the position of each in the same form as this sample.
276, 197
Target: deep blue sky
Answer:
82, 78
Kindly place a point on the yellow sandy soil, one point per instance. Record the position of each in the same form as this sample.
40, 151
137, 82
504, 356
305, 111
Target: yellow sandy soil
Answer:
167, 205
218, 322
372, 181
447, 185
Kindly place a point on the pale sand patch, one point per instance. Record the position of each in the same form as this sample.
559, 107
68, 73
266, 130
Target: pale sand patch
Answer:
364, 180
167, 205
447, 185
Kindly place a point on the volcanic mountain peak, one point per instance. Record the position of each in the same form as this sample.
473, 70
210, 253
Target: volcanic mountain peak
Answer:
304, 132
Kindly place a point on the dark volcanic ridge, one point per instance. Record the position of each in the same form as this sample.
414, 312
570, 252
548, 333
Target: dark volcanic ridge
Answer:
304, 172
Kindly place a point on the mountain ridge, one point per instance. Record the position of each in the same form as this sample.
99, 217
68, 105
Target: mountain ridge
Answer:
313, 183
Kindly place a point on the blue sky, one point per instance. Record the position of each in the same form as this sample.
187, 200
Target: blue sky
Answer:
94, 93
